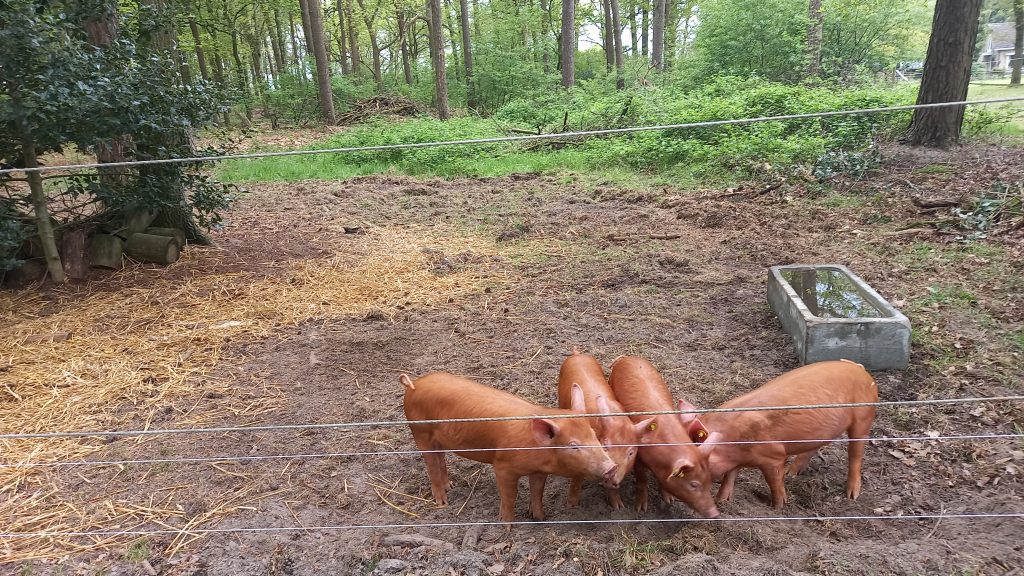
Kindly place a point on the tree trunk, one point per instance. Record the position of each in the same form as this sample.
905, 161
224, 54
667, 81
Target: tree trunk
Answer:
296, 49
353, 41
278, 42
620, 57
403, 40
632, 28
44, 225
1018, 42
476, 20
453, 38
343, 40
568, 48
176, 209
658, 36
545, 35
467, 54
671, 33
204, 72
814, 31
607, 44
323, 71
374, 44
437, 59
101, 32
307, 28
645, 28
947, 71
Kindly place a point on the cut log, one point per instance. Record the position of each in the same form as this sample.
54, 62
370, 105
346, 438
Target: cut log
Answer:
176, 233
149, 248
106, 251
51, 337
72, 253
29, 272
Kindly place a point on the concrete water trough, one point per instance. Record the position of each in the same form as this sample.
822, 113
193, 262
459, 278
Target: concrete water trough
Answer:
831, 314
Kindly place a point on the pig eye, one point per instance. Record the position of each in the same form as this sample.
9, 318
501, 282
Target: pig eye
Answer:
694, 484
575, 445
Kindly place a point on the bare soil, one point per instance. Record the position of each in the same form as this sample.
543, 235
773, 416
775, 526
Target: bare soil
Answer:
694, 305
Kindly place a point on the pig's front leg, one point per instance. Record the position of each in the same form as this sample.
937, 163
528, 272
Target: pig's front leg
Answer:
728, 483
508, 489
537, 480
640, 495
775, 474
614, 498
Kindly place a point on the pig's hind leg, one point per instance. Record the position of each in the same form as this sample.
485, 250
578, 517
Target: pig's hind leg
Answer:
437, 468
800, 463
859, 430
537, 481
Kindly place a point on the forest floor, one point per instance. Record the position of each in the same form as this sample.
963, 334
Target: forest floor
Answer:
498, 279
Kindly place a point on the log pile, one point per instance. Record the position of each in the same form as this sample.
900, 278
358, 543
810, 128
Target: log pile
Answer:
380, 105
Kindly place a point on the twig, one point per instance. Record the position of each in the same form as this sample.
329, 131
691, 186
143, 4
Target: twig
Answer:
932, 204
396, 507
761, 192
624, 237
471, 490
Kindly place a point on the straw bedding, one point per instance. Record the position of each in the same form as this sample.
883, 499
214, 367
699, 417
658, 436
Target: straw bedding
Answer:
138, 347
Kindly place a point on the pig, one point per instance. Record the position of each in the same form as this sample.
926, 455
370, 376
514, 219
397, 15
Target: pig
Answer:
574, 449
680, 467
839, 382
619, 435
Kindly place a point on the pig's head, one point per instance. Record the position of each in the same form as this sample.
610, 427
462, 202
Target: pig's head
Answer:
578, 451
689, 480
620, 436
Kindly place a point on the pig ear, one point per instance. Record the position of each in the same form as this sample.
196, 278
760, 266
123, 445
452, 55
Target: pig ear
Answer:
698, 433
709, 443
680, 471
685, 406
544, 431
644, 428
577, 404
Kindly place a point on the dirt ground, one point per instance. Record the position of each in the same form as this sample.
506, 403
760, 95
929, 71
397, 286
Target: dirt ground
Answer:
573, 264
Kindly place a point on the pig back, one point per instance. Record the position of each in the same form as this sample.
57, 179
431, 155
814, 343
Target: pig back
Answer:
831, 382
439, 396
638, 386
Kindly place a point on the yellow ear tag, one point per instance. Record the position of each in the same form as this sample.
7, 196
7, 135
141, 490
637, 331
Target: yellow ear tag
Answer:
702, 434
681, 473
652, 426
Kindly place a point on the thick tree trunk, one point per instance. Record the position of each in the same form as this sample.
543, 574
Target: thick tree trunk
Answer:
568, 47
197, 39
101, 32
437, 59
671, 33
1018, 42
467, 54
44, 225
620, 57
323, 71
403, 41
645, 28
658, 36
176, 209
947, 71
346, 69
814, 31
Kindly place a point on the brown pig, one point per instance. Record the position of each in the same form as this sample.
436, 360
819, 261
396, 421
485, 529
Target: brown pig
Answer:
619, 435
573, 447
798, 432
678, 465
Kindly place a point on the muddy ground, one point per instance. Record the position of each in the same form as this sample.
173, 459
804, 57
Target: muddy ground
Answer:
580, 269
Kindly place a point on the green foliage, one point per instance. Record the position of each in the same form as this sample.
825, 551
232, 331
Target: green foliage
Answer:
1002, 202
745, 37
58, 91
14, 230
295, 100
706, 152
865, 36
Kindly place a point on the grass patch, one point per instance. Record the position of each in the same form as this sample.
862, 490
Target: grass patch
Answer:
949, 295
935, 169
138, 551
636, 554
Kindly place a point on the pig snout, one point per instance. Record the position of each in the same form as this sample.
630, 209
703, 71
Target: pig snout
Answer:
611, 477
711, 513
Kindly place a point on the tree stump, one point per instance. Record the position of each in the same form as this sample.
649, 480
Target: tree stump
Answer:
72, 253
106, 251
150, 248
176, 233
